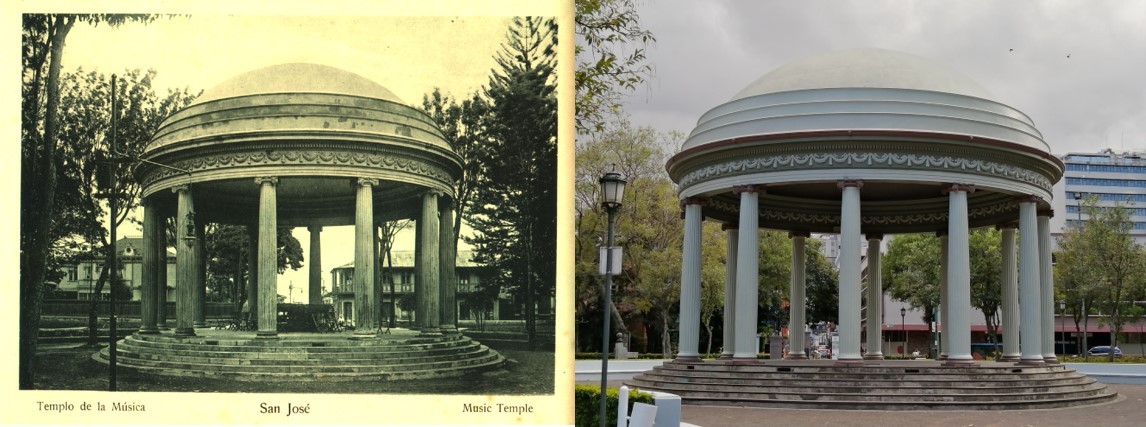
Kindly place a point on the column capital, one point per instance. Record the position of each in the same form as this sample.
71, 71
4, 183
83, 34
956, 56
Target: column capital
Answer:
1028, 199
844, 183
702, 201
729, 226
738, 189
181, 188
1049, 213
795, 234
875, 236
314, 228
968, 188
1007, 226
364, 182
272, 180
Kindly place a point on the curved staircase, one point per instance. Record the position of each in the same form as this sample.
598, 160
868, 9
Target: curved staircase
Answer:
884, 385
308, 356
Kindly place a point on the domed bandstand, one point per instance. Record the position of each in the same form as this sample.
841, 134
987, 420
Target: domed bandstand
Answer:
299, 145
867, 143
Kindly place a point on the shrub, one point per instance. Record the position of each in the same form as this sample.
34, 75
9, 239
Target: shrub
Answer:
587, 404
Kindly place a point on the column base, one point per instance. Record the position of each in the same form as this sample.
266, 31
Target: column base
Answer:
796, 356
942, 356
163, 328
1031, 362
267, 335
433, 331
960, 363
149, 331
849, 362
726, 356
1011, 358
687, 359
184, 332
199, 325
449, 330
1052, 360
873, 357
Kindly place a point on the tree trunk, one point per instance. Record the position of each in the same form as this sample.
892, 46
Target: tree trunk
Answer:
36, 217
666, 340
93, 335
708, 329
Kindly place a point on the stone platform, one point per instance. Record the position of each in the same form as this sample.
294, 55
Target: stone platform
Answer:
875, 385
399, 355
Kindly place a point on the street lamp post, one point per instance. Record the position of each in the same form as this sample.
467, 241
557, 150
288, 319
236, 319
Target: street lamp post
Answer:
612, 192
903, 327
1062, 332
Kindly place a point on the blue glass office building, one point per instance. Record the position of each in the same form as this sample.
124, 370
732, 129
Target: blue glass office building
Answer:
1112, 177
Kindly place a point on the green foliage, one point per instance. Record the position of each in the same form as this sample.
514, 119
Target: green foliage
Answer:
587, 404
911, 271
465, 127
1102, 261
514, 212
610, 58
823, 285
986, 277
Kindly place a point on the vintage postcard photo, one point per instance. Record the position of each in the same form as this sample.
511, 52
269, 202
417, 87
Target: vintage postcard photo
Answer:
306, 216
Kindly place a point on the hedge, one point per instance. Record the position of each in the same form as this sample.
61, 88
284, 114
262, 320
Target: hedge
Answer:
587, 404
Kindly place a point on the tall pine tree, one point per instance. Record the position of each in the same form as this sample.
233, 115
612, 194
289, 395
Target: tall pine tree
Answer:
514, 211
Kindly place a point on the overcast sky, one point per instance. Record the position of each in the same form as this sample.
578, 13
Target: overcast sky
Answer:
408, 55
707, 51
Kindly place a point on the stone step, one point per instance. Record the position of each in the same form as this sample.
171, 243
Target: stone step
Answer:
946, 383
900, 376
293, 347
286, 367
1101, 398
863, 389
288, 341
303, 359
295, 352
794, 367
732, 394
301, 375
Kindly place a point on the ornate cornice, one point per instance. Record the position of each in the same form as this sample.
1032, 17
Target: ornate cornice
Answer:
782, 162
416, 166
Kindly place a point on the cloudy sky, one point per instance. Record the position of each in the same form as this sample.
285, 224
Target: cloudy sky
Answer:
707, 51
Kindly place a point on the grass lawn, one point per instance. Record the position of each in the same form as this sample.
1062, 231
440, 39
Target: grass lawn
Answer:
72, 369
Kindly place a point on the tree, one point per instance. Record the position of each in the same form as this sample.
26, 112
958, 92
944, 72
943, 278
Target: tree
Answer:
911, 272
986, 278
387, 231
1102, 253
465, 127
610, 58
823, 285
43, 38
637, 155
712, 278
514, 213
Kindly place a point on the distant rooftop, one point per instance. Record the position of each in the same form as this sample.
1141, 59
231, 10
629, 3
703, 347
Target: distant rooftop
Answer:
406, 259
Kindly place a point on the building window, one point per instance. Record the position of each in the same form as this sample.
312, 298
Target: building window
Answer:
73, 275
464, 283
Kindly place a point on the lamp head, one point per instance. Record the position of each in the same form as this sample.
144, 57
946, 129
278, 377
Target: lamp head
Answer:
902, 312
612, 190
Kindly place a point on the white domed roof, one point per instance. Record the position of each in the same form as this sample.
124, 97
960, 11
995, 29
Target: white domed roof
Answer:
297, 78
864, 68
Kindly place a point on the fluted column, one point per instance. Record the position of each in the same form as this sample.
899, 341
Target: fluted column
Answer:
419, 281
161, 272
731, 235
253, 274
1010, 283
797, 290
944, 299
1030, 302
429, 269
364, 257
149, 274
1046, 285
959, 276
448, 264
874, 299
850, 302
268, 258
185, 264
314, 290
200, 274
689, 319
747, 272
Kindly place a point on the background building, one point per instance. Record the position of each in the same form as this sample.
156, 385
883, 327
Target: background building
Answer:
80, 279
1109, 176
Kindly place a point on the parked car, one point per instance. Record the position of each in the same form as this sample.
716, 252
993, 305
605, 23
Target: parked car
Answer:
1103, 350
